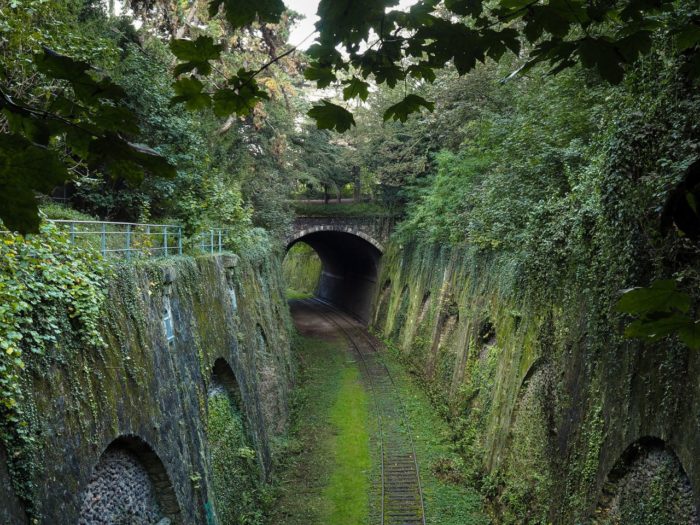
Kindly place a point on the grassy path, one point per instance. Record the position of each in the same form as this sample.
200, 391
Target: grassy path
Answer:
326, 478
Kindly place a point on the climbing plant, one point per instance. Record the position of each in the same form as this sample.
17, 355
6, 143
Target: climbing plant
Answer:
46, 288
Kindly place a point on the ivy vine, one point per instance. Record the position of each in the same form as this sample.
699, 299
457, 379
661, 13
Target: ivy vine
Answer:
46, 285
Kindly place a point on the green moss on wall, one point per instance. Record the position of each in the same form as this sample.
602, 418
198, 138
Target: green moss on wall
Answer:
541, 392
79, 397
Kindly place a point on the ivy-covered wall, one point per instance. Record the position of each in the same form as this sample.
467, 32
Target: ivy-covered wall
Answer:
155, 392
560, 420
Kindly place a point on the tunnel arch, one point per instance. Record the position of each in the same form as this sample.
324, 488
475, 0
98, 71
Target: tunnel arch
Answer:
349, 266
129, 484
647, 485
299, 235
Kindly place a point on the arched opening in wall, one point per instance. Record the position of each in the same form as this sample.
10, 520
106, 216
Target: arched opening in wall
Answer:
448, 319
647, 486
487, 332
260, 339
129, 484
301, 269
349, 268
235, 465
528, 450
485, 338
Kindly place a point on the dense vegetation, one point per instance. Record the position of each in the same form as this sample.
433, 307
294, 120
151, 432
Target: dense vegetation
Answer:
580, 175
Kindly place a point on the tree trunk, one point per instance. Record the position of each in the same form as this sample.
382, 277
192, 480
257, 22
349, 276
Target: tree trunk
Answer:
356, 184
326, 196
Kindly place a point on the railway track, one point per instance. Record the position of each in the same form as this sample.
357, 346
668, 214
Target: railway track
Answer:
397, 494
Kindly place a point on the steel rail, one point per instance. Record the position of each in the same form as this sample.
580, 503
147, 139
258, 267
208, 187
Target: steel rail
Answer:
313, 305
371, 344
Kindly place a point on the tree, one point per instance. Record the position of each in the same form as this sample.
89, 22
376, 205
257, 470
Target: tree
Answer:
387, 46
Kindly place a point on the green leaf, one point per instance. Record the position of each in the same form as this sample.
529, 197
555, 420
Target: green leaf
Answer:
86, 88
115, 118
332, 116
36, 130
410, 104
189, 91
661, 296
465, 7
59, 66
657, 328
422, 71
195, 54
241, 98
25, 168
323, 76
356, 88
602, 55
688, 37
240, 13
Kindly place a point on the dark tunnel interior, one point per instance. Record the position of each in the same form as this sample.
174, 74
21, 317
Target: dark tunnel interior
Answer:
349, 271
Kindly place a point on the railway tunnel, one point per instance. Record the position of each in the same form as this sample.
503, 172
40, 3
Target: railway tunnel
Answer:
349, 267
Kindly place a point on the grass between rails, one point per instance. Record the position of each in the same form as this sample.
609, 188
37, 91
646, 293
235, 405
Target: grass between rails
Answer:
325, 479
292, 294
446, 502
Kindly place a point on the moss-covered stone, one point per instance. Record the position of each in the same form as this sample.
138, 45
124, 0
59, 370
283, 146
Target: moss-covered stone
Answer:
543, 395
301, 269
143, 384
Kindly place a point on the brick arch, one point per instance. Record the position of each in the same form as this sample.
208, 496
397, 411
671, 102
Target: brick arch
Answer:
129, 481
300, 234
647, 463
349, 265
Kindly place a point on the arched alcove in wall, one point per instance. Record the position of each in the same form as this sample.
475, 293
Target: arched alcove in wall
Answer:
527, 463
223, 381
424, 307
448, 319
261, 339
236, 470
130, 485
647, 486
382, 306
401, 315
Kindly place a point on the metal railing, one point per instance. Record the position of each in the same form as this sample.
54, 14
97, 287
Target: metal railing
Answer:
124, 239
212, 241
130, 240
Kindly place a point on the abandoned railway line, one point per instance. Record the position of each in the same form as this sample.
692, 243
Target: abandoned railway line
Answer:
397, 497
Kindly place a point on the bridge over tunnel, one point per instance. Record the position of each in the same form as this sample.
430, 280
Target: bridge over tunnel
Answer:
349, 267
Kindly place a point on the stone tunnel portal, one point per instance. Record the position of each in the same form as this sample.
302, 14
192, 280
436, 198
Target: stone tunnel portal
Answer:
349, 271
